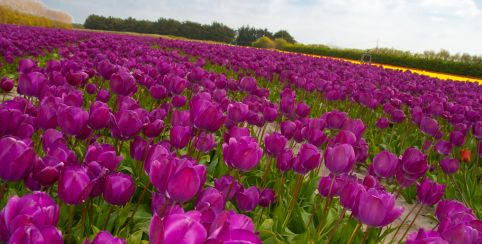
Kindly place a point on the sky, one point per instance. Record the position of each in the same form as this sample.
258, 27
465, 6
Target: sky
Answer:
413, 25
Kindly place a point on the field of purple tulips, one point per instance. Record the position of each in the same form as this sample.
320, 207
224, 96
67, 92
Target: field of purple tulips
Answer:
108, 138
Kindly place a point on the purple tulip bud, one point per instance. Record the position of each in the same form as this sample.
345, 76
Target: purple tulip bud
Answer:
123, 83
284, 160
177, 228
237, 112
275, 143
16, 159
99, 115
74, 185
158, 92
385, 164
204, 142
334, 119
457, 138
270, 113
31, 84
106, 237
205, 115
397, 115
103, 95
449, 165
429, 126
382, 123
104, 154
247, 199
118, 188
308, 158
91, 88
7, 84
376, 208
302, 109
329, 186
125, 124
414, 163
47, 117
228, 186
242, 153
72, 120
443, 147
313, 132
340, 158
33, 234
180, 136
247, 84
267, 197
429, 192
288, 129
138, 148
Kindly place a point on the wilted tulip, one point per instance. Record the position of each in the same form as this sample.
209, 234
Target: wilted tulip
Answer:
308, 158
242, 153
72, 120
376, 208
449, 165
16, 159
340, 158
429, 192
180, 136
247, 199
275, 143
74, 185
385, 164
105, 237
118, 188
177, 228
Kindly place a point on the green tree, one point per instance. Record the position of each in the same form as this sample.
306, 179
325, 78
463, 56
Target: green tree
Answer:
284, 35
264, 42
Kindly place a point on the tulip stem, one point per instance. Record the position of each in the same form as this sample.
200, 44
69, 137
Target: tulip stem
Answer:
333, 231
69, 224
296, 191
141, 198
82, 219
411, 223
267, 167
365, 236
111, 208
403, 222
3, 188
280, 187
353, 233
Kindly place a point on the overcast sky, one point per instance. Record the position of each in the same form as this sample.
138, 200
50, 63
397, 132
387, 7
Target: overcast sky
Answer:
414, 25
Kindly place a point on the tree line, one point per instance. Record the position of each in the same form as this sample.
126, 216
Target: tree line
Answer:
245, 35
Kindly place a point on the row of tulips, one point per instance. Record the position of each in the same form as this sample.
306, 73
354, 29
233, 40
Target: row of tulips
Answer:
215, 144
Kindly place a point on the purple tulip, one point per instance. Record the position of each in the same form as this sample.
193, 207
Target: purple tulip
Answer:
267, 197
288, 129
122, 83
179, 101
118, 188
177, 228
382, 123
47, 170
443, 147
205, 115
344, 137
74, 185
47, 117
340, 158
229, 227
376, 208
275, 143
452, 209
104, 154
242, 153
153, 128
385, 164
16, 159
204, 142
228, 186
313, 132
26, 65
247, 84
414, 163
270, 113
158, 92
477, 130
106, 69
91, 88
210, 203
180, 136
329, 186
162, 206
284, 160
105, 237
429, 192
397, 115
125, 124
308, 158
72, 120
99, 115
103, 95
31, 84
459, 233
349, 193
334, 119
450, 165
429, 126
237, 112
247, 199
6, 84
36, 234
457, 138
423, 236
302, 109
235, 132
